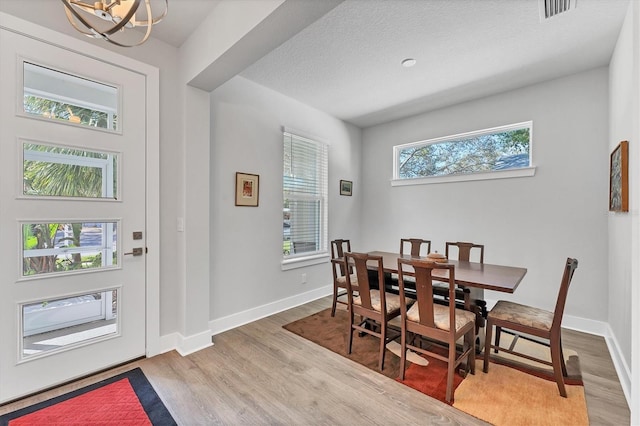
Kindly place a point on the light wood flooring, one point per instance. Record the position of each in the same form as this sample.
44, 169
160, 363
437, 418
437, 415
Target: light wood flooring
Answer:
261, 374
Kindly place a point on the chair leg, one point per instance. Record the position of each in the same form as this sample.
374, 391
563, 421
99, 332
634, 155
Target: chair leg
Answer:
451, 368
487, 346
403, 351
335, 301
351, 330
471, 359
383, 342
556, 352
498, 330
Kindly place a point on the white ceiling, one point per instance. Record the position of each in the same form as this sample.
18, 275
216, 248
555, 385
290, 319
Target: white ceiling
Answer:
347, 63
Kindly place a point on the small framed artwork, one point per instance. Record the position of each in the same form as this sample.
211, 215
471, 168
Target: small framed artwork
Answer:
247, 189
619, 178
346, 187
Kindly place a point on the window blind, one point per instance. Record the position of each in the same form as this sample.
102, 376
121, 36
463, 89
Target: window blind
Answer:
304, 185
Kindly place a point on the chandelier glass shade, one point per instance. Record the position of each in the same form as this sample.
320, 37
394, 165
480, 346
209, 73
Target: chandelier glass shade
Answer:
111, 19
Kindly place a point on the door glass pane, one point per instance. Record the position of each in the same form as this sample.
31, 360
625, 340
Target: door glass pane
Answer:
68, 98
50, 248
49, 170
52, 325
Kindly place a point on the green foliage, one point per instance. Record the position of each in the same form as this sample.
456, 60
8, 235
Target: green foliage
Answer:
476, 154
63, 111
71, 180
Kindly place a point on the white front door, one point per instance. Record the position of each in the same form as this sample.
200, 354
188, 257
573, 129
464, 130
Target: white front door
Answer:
72, 215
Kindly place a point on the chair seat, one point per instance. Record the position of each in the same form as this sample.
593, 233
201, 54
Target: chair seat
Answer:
441, 316
393, 301
342, 281
522, 314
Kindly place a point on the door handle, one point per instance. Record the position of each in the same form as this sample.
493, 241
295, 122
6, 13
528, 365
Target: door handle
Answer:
135, 252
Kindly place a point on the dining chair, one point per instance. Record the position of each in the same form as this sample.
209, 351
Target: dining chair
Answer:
464, 250
369, 300
433, 321
534, 322
416, 245
340, 269
467, 252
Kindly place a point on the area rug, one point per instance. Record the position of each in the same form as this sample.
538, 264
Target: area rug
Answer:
510, 394
127, 399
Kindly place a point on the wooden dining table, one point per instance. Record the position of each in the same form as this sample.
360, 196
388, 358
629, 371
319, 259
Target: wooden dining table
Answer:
474, 276
481, 276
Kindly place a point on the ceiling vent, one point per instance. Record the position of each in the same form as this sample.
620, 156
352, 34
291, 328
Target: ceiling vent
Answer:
551, 8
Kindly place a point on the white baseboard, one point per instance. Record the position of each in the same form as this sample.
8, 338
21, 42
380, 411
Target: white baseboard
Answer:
623, 370
220, 325
185, 345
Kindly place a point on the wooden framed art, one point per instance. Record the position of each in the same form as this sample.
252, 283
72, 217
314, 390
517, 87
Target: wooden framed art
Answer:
247, 189
619, 178
346, 187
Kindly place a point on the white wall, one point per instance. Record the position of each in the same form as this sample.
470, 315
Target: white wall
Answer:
624, 228
246, 242
621, 127
533, 222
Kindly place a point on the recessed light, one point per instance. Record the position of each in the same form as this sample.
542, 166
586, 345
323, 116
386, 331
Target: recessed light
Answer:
409, 62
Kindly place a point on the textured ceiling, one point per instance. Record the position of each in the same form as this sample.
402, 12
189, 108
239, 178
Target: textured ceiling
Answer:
348, 62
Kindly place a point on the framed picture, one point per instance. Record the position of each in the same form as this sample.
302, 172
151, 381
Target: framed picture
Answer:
619, 178
346, 187
247, 189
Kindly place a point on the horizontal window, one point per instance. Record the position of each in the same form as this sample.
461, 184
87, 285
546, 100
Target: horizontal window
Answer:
495, 150
67, 98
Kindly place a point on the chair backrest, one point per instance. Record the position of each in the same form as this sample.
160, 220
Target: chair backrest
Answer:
416, 246
569, 269
424, 288
464, 250
338, 248
362, 288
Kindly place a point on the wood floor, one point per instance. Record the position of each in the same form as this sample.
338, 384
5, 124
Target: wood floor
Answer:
261, 374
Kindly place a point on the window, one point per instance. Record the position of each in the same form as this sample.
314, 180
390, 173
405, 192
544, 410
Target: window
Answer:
56, 95
304, 186
59, 171
484, 154
49, 248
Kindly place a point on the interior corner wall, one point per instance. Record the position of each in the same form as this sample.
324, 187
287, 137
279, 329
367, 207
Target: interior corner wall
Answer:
623, 120
624, 228
246, 247
533, 222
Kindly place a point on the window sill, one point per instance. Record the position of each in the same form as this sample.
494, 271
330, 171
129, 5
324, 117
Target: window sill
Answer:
502, 174
301, 262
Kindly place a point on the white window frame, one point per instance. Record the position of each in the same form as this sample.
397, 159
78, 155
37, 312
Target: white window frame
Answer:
463, 177
322, 254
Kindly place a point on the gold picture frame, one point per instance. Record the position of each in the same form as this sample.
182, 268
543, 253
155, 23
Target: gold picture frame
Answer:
247, 189
619, 178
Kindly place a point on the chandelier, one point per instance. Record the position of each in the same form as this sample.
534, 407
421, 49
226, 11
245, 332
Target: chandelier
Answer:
108, 19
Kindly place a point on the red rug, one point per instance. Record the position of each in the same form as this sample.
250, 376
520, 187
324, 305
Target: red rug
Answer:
124, 400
